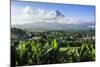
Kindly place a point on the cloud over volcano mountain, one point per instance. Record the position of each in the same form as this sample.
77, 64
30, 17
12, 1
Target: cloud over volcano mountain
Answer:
29, 15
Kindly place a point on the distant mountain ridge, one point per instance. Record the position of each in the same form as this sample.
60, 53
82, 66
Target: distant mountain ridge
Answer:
51, 26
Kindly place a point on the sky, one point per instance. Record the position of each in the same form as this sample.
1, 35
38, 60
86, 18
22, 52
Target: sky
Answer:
82, 12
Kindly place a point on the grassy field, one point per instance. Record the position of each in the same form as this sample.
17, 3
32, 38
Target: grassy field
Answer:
37, 48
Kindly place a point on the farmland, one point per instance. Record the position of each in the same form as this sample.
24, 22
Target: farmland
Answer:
51, 47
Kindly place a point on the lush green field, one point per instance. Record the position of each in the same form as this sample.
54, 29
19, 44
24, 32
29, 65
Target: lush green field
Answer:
33, 48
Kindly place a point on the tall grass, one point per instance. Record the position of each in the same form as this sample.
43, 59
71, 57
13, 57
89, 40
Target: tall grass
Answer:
31, 52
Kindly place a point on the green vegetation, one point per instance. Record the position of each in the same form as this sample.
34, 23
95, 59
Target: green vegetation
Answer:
34, 48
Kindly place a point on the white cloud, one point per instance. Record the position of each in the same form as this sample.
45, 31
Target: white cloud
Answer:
29, 15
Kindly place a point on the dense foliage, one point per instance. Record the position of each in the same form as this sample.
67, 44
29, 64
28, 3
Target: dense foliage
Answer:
32, 48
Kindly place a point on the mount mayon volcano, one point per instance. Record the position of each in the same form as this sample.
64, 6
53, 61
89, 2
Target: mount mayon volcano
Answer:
40, 19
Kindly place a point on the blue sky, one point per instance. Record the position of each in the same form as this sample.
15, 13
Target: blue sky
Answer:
84, 12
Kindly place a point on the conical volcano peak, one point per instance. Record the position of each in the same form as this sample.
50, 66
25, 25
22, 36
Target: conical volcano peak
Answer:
58, 13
